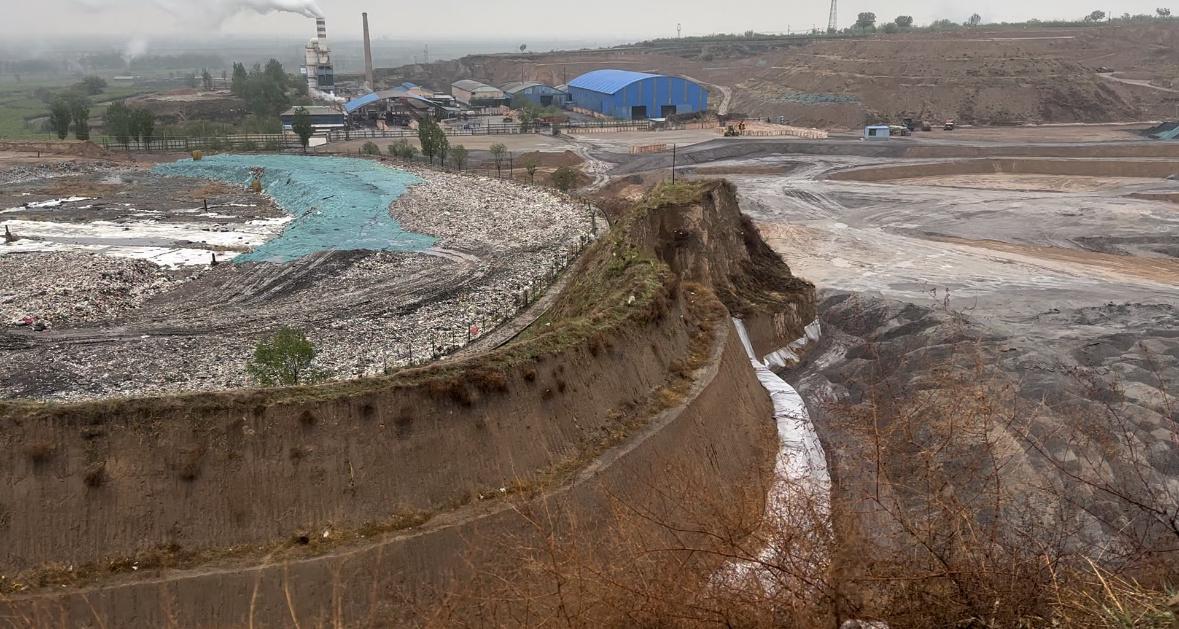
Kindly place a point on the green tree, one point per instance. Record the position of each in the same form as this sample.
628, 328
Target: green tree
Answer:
80, 113
92, 85
904, 21
60, 116
403, 149
1095, 16
564, 178
299, 86
1163, 12
117, 121
240, 76
866, 20
370, 148
530, 166
284, 358
529, 114
145, 126
207, 80
458, 156
976, 19
441, 144
428, 137
499, 153
277, 75
301, 125
265, 92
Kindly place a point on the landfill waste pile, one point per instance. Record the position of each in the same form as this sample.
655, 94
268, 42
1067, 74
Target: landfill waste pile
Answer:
430, 262
73, 288
50, 169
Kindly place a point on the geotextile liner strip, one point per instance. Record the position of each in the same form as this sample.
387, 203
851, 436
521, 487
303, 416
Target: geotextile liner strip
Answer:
338, 203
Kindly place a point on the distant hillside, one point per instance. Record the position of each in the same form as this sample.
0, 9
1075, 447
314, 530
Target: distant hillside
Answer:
984, 75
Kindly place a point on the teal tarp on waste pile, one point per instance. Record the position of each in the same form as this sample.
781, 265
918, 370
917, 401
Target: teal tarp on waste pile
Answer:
338, 203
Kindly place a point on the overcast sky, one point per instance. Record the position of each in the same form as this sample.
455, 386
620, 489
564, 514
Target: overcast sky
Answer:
492, 19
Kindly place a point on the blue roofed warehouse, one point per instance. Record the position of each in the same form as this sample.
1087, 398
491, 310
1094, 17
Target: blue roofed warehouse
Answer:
637, 95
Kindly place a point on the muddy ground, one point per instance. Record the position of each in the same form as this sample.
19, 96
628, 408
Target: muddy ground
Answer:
93, 317
1066, 290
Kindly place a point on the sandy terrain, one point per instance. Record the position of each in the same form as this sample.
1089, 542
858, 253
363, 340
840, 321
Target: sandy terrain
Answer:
1030, 183
1052, 291
989, 75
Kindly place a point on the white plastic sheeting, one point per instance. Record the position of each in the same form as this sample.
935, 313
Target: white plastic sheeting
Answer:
789, 355
166, 244
801, 468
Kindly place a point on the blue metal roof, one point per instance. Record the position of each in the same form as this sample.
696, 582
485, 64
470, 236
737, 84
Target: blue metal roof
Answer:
608, 81
361, 101
372, 97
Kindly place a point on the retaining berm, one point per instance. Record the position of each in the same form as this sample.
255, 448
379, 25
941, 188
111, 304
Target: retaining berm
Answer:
322, 504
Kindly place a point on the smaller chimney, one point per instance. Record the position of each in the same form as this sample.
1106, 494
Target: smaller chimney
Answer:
368, 56
321, 28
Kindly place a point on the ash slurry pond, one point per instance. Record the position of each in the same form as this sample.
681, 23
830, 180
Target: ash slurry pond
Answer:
338, 203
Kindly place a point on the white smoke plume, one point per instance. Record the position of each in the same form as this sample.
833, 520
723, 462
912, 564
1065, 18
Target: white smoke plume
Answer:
213, 12
324, 96
136, 47
306, 8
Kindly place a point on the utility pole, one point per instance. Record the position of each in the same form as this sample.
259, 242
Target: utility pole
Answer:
673, 163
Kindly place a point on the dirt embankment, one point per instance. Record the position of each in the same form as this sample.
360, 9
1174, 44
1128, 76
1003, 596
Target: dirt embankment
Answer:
70, 148
1070, 167
273, 502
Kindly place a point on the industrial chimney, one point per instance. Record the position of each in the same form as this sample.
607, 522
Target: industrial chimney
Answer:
318, 61
368, 56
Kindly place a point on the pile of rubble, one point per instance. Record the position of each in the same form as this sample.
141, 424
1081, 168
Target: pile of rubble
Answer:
21, 173
53, 289
494, 217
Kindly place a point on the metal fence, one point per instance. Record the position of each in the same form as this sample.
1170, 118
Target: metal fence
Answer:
400, 132
239, 142
606, 127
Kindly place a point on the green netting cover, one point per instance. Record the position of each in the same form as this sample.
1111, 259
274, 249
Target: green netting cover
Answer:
338, 203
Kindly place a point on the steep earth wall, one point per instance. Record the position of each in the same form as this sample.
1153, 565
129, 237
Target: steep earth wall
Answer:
206, 507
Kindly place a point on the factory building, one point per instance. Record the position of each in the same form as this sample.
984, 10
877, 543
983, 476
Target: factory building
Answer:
476, 94
317, 61
637, 95
397, 107
536, 93
323, 118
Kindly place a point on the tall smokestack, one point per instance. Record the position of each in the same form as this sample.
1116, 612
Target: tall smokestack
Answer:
321, 28
368, 55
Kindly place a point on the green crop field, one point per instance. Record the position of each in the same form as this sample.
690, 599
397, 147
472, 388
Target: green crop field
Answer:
21, 107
